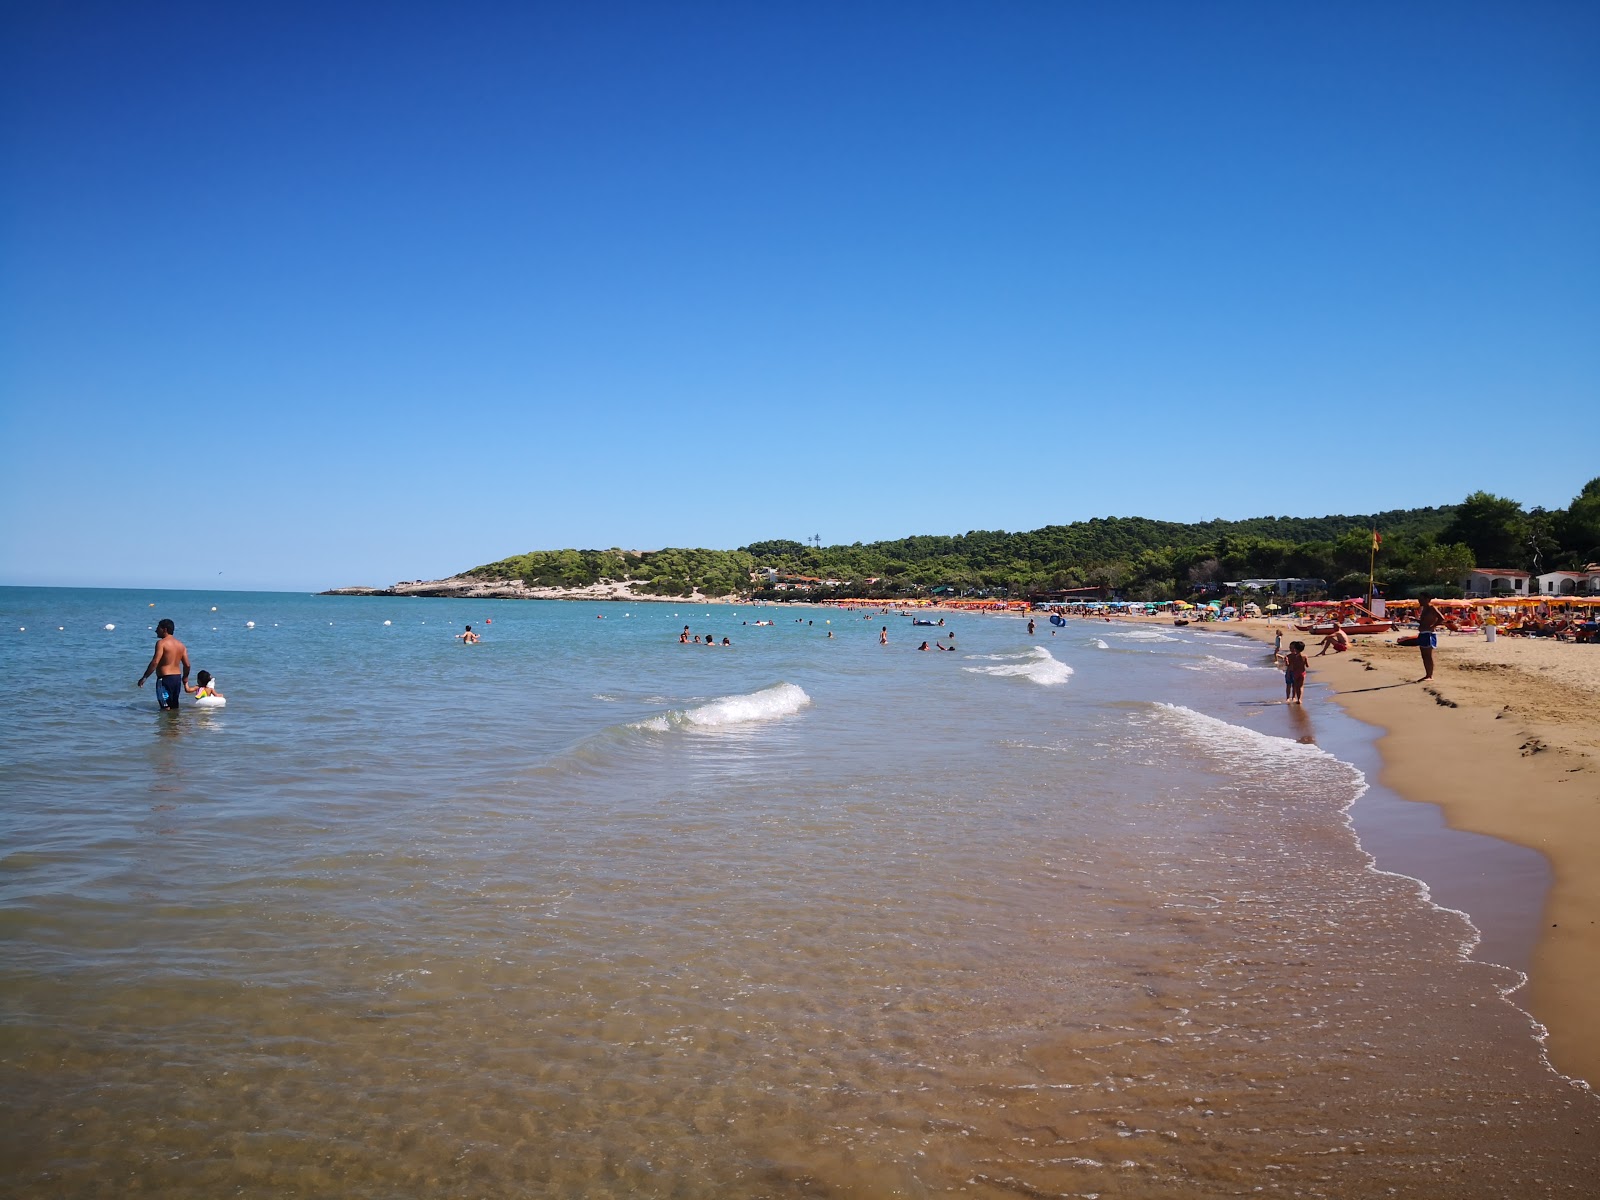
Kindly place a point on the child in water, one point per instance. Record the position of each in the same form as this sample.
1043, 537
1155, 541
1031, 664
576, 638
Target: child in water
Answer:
205, 686
1294, 673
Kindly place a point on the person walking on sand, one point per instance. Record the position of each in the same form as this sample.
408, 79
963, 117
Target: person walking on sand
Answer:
1429, 619
170, 664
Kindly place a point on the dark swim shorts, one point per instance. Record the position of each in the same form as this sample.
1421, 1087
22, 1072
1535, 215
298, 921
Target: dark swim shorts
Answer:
1429, 641
168, 689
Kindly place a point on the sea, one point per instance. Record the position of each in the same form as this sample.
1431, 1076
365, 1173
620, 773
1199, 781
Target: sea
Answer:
584, 911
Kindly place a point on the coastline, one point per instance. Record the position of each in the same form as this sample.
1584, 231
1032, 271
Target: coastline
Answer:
1504, 741
462, 587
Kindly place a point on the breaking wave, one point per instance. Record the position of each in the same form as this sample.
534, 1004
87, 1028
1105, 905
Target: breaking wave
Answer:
1038, 665
1142, 635
769, 704
1212, 663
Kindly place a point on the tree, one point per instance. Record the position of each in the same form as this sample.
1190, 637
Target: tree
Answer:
1492, 527
1578, 529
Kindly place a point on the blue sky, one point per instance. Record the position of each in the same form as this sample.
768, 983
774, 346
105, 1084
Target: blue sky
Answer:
304, 295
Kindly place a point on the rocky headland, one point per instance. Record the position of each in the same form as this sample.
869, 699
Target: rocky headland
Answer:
466, 587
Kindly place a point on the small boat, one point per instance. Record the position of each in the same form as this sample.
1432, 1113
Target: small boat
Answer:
920, 621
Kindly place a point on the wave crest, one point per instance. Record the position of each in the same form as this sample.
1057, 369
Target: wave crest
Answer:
768, 704
1038, 665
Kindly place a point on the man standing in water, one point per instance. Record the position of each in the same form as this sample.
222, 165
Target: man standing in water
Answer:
1429, 619
170, 664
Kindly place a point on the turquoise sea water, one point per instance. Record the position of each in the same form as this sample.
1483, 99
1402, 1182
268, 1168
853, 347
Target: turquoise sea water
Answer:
580, 910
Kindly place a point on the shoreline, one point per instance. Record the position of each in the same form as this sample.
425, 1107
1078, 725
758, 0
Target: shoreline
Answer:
1503, 741
461, 587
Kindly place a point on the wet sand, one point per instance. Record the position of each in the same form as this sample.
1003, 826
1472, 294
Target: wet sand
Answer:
1506, 741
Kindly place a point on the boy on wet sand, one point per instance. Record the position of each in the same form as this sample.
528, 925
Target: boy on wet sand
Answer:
170, 664
1295, 664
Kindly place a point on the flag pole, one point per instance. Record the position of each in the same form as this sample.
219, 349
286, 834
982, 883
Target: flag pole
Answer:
1372, 566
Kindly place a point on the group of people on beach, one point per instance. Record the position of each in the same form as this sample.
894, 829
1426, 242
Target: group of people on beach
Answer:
1295, 663
170, 665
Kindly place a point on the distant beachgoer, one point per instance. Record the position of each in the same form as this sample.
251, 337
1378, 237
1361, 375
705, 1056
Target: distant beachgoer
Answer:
883, 636
1277, 646
830, 633
924, 646
1490, 624
726, 642
205, 686
1335, 640
169, 664
697, 639
937, 646
1295, 665
684, 636
1429, 619
1030, 626
467, 638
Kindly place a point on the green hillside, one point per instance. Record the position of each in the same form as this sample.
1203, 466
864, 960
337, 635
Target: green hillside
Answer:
1138, 557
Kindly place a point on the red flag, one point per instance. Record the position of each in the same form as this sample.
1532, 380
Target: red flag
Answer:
1377, 541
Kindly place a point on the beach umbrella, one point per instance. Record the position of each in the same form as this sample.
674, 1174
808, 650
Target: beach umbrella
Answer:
1272, 608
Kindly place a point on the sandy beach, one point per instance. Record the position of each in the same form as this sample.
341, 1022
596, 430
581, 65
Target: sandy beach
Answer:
1506, 741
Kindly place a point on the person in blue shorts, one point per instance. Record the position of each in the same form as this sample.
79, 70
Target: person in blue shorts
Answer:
1429, 619
169, 664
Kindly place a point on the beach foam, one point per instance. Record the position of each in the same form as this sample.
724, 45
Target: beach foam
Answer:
1260, 756
1038, 665
768, 704
1142, 635
1212, 663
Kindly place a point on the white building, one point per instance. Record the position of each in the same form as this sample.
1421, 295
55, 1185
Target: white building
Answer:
1568, 583
1495, 581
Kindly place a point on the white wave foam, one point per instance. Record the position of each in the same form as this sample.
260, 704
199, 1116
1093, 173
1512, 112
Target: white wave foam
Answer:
1212, 663
769, 704
1250, 749
1038, 665
1101, 644
1143, 635
1262, 755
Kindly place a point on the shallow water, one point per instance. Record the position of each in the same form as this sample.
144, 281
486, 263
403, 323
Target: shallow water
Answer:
582, 911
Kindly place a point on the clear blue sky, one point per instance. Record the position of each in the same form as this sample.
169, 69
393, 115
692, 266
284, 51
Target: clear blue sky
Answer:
302, 295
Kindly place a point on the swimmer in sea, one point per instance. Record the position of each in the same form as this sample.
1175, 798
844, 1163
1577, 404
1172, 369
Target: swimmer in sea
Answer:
468, 638
924, 646
683, 637
883, 636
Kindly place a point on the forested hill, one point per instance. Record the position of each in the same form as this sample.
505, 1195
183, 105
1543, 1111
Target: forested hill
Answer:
1138, 557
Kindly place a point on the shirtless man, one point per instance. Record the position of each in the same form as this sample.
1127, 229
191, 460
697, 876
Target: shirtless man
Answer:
169, 664
1429, 619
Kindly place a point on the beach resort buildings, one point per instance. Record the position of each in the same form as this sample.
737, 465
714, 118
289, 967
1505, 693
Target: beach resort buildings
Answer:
1569, 583
1496, 581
